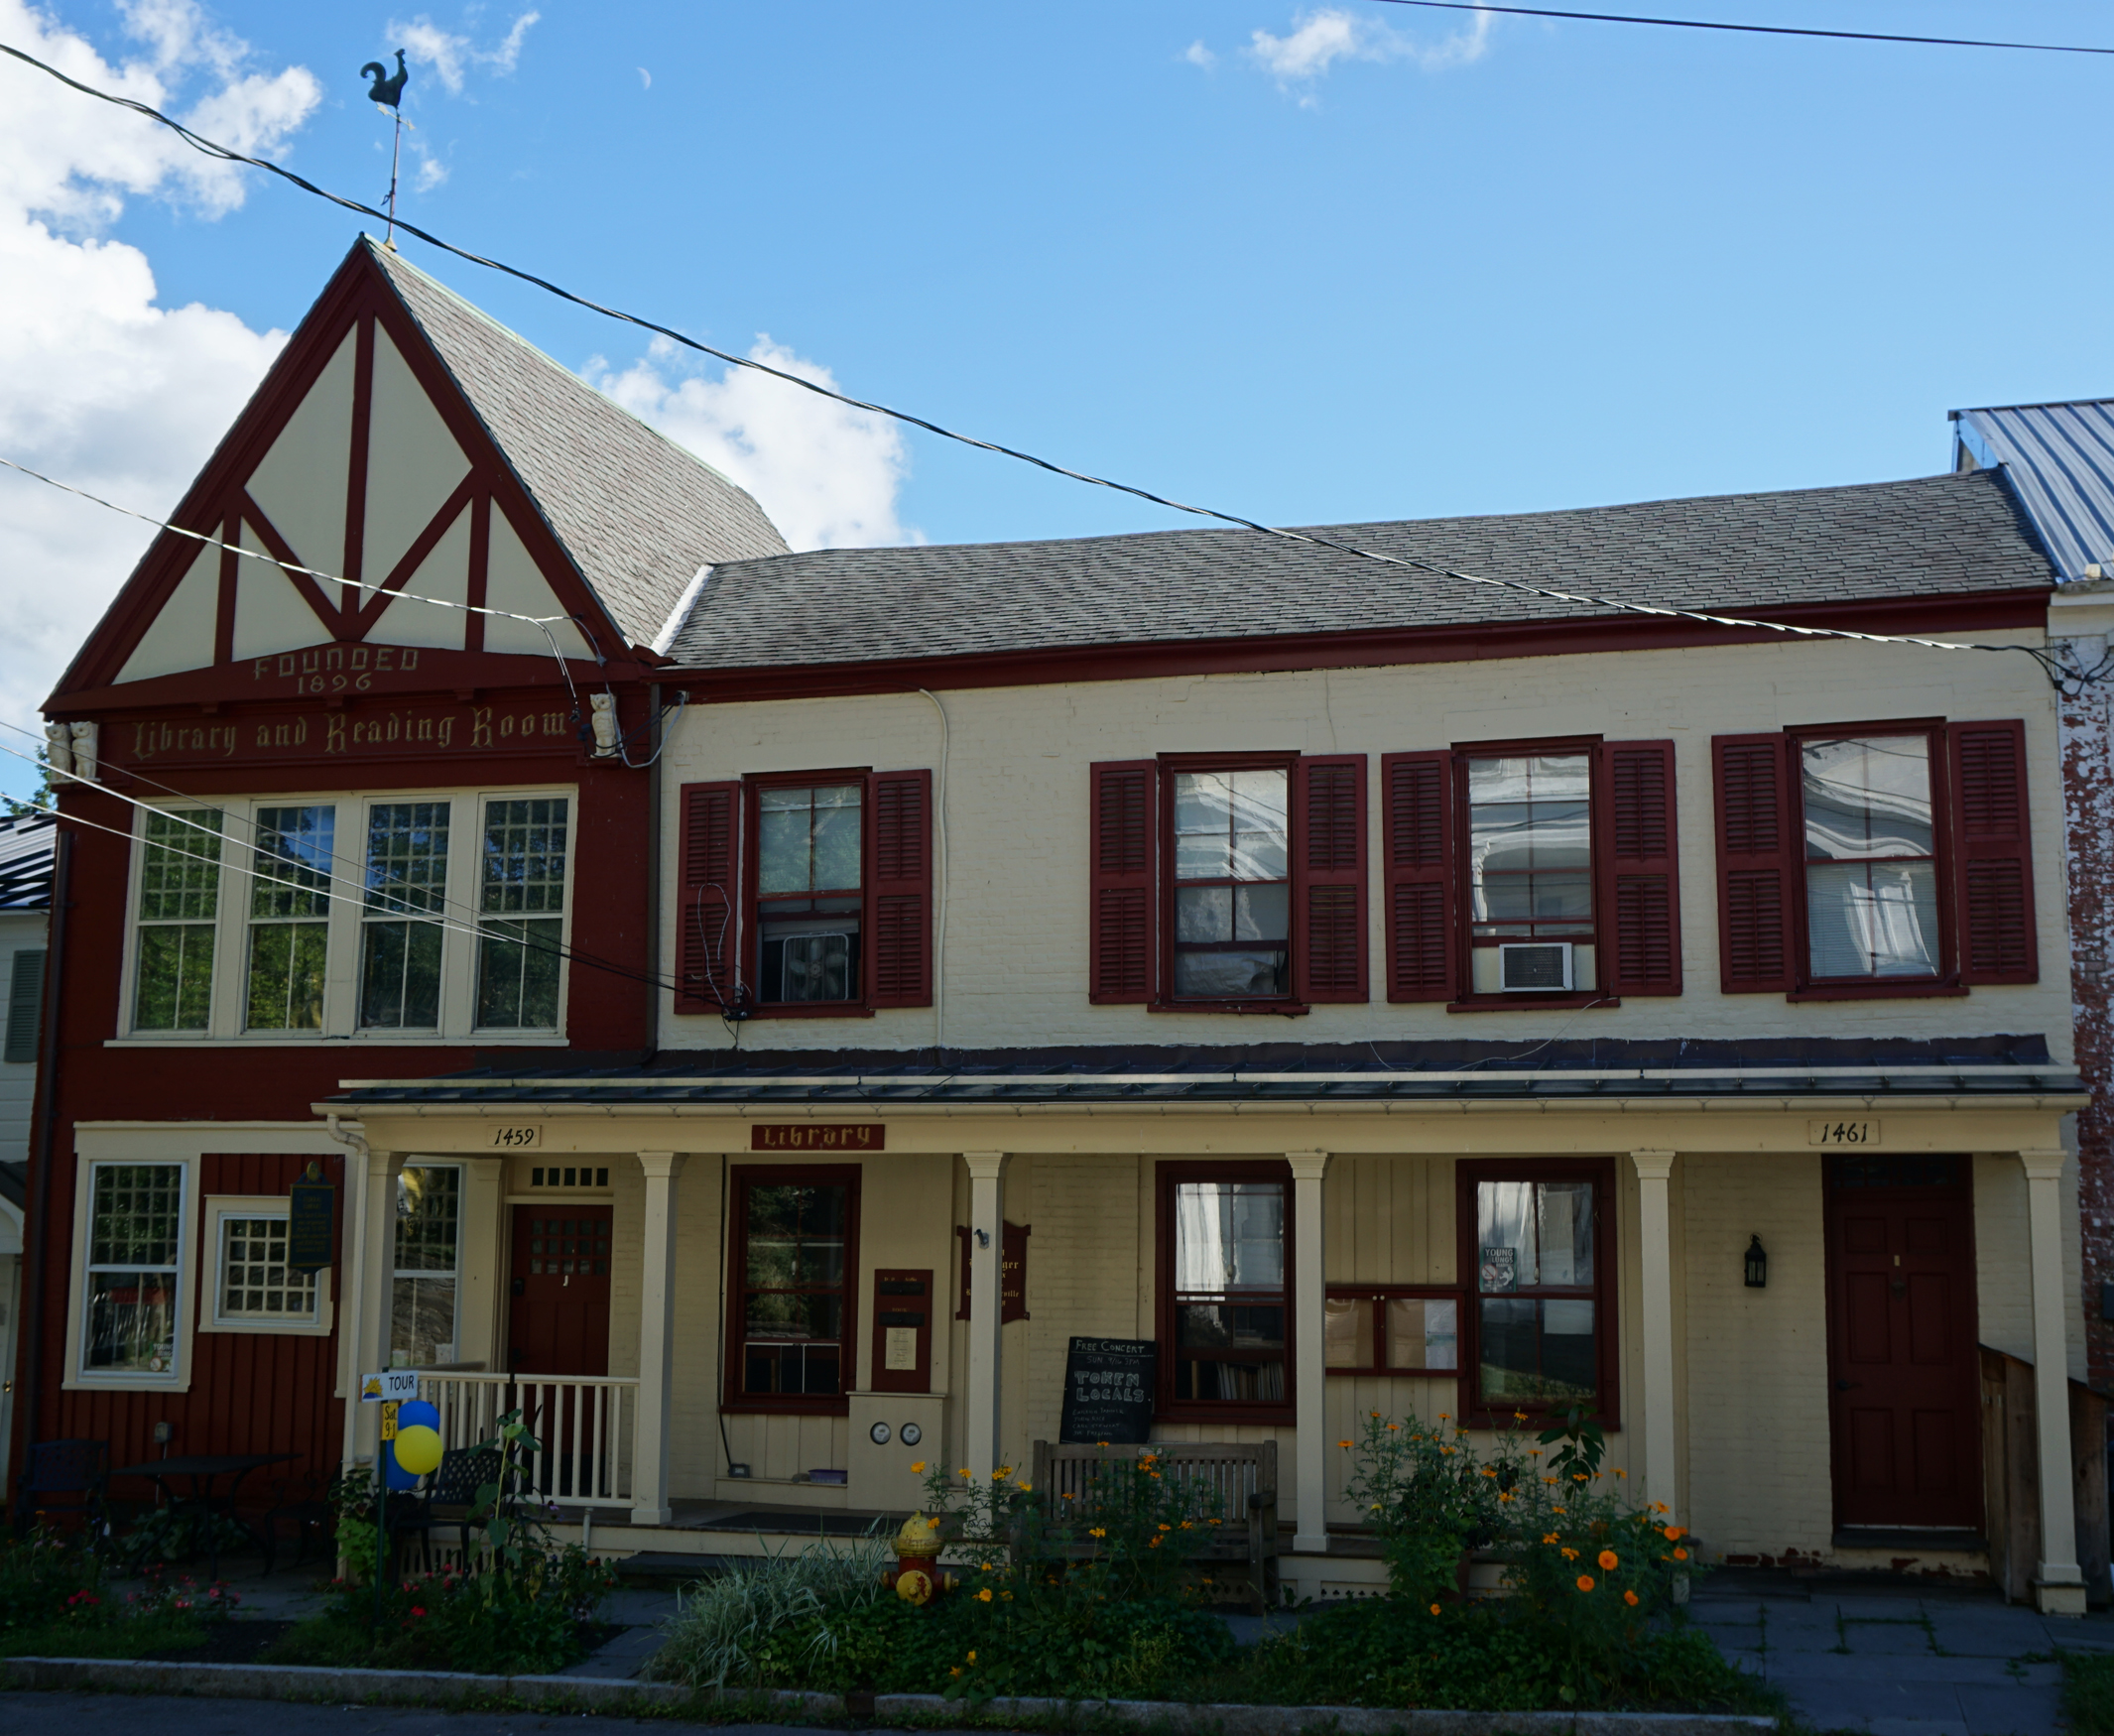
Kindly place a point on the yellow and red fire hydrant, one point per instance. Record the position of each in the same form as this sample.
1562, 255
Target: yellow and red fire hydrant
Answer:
917, 1578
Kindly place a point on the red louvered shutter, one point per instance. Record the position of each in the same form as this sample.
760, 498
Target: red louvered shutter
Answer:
1640, 950
1328, 878
1416, 838
1125, 936
1757, 864
900, 901
707, 930
1992, 860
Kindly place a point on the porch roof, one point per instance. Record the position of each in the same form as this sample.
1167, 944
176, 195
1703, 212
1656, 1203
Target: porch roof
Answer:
1267, 1072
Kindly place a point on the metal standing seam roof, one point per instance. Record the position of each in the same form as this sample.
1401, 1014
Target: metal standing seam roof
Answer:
2060, 459
26, 846
638, 514
1740, 553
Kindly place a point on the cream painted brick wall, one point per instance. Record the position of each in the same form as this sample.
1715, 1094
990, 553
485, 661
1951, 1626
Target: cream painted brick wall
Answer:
1757, 1462
1015, 918
1081, 1276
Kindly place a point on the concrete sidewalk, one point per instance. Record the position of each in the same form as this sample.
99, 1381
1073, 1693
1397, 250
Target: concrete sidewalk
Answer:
1936, 1663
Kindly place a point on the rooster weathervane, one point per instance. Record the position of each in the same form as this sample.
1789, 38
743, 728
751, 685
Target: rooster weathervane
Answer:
387, 91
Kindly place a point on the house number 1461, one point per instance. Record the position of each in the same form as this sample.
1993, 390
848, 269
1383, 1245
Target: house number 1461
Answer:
1842, 1132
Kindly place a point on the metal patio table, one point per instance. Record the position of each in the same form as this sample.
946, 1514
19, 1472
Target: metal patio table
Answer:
205, 1469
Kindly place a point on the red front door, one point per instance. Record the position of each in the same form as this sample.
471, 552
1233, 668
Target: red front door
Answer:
559, 1321
1903, 1399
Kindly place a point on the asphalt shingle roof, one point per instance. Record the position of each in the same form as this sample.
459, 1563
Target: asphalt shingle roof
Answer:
638, 513
1739, 553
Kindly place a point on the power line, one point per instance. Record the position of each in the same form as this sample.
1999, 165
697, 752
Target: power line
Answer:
1852, 36
2066, 677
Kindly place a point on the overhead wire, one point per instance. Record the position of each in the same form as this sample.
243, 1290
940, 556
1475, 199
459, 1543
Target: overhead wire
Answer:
1851, 36
2063, 676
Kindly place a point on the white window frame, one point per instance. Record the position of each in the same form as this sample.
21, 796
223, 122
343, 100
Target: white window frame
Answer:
176, 1376
219, 1207
341, 1015
454, 1273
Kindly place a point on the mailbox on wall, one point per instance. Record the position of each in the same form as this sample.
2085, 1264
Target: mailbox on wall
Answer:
903, 1331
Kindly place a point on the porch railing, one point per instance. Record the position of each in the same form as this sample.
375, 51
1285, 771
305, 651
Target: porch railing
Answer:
584, 1425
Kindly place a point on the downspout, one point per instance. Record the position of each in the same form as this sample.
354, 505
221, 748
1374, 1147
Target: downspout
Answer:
55, 965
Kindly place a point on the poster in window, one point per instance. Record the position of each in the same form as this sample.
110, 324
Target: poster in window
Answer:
1500, 1269
1108, 1391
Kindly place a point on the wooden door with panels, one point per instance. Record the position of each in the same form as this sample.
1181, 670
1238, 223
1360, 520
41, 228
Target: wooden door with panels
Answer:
1903, 1399
558, 1313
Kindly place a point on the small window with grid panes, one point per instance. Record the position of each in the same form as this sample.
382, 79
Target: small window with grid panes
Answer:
256, 1283
567, 1247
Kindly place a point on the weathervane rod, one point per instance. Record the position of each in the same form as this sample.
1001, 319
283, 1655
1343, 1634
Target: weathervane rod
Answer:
387, 91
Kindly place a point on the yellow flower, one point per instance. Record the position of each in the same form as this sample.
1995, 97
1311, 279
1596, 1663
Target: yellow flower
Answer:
956, 1671
1577, 1477
1392, 1426
918, 1468
1188, 1525
1434, 1609
1100, 1443
984, 1596
1002, 1473
1571, 1555
1675, 1532
1026, 1488
1098, 1530
1620, 1472
1069, 1496
1343, 1444
933, 1523
972, 1657
1375, 1507
1007, 1595
1488, 1472
1167, 1528
1609, 1561
1585, 1582
965, 1471
1154, 1543
1503, 1499
1519, 1415
1215, 1522
1562, 1509
1445, 1417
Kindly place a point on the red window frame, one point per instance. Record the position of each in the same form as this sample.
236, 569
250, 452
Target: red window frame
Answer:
1587, 747
1170, 766
753, 787
1603, 1292
1375, 1296
1168, 1407
743, 1177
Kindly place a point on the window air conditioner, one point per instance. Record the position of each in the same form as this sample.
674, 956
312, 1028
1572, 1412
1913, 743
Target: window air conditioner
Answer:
1535, 964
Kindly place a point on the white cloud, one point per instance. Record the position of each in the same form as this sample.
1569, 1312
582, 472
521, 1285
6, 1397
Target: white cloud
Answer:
451, 55
1198, 55
432, 173
827, 474
99, 384
1320, 39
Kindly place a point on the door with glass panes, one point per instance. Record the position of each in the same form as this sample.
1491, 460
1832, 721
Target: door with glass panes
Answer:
559, 1314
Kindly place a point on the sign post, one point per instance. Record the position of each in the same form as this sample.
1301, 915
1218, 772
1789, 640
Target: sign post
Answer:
388, 1388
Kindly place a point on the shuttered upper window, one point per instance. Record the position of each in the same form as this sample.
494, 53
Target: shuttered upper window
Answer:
1879, 860
1228, 883
806, 895
1566, 849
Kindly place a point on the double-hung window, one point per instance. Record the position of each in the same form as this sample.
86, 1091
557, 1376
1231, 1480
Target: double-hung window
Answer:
1537, 1249
1232, 884
423, 1300
1875, 859
794, 1254
1225, 1315
1530, 855
135, 1269
810, 892
379, 917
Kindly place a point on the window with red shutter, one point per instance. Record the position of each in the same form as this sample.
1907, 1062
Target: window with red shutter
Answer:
1757, 867
901, 898
1229, 829
707, 942
1416, 838
1328, 917
1123, 939
1991, 856
1639, 866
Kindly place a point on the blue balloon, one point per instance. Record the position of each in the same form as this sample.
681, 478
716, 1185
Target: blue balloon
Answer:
413, 1412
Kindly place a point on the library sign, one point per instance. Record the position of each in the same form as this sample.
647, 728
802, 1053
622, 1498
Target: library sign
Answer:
352, 731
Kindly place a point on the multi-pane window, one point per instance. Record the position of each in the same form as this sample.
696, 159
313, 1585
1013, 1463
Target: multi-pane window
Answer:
795, 1258
290, 909
1232, 884
255, 1282
399, 941
1390, 1334
1871, 856
1529, 859
809, 891
1229, 1302
1538, 1297
135, 1269
180, 893
427, 1252
569, 1247
522, 901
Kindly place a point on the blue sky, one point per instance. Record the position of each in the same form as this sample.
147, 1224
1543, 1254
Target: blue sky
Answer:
1369, 262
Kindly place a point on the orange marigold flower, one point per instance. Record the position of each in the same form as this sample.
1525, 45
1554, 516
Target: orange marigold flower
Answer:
1571, 1555
1620, 1472
1434, 1609
984, 1596
1630, 1598
1609, 1561
1153, 1545
1343, 1444
1167, 1528
1585, 1582
1098, 1530
1552, 1537
956, 1671
1489, 1471
1680, 1554
1392, 1426
1675, 1532
917, 1469
1519, 1415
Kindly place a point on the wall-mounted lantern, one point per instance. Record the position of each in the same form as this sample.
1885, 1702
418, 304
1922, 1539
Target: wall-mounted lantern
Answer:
1757, 1265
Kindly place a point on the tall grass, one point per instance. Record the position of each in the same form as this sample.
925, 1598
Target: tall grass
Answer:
717, 1635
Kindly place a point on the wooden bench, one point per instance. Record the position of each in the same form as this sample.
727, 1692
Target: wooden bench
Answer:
1236, 1482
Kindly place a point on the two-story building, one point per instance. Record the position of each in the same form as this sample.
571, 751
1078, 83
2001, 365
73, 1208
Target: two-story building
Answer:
1369, 990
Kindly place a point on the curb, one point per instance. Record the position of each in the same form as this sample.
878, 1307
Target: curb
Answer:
580, 1693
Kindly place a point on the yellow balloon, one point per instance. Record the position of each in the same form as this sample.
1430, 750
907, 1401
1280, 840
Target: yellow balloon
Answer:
418, 1449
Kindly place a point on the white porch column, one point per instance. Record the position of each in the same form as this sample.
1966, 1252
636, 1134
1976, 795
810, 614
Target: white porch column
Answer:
2059, 1586
349, 1282
377, 1285
1656, 1315
987, 1245
656, 1341
1309, 1354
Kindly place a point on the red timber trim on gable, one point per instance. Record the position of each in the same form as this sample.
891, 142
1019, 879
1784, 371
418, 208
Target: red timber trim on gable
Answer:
1375, 648
356, 299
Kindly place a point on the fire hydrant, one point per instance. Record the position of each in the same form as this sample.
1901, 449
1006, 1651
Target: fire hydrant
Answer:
917, 1579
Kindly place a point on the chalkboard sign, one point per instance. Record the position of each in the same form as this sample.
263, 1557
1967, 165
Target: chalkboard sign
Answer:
311, 1208
1108, 1391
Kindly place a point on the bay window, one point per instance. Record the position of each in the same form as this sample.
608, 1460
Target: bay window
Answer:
1225, 1314
793, 1250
